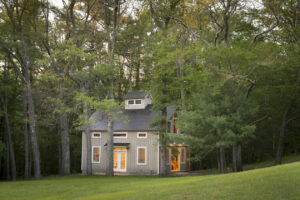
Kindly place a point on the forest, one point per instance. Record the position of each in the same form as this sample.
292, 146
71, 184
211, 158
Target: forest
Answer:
231, 67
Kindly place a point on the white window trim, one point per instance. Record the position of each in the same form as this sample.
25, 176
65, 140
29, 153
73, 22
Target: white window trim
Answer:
137, 155
138, 100
130, 103
137, 135
134, 101
184, 156
93, 154
121, 136
96, 133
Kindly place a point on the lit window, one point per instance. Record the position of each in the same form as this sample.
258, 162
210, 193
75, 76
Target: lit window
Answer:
182, 155
141, 135
138, 101
130, 101
141, 155
96, 154
96, 135
120, 135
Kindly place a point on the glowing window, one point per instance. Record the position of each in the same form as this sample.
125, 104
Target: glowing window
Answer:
120, 135
141, 155
141, 135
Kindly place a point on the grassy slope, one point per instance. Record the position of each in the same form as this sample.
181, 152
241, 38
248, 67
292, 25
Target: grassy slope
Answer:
280, 182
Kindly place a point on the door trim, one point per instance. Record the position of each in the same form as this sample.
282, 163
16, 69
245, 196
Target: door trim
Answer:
119, 164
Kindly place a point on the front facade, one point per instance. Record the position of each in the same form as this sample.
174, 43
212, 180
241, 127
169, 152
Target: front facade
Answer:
136, 143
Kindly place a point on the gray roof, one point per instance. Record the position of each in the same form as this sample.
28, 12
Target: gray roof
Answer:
135, 95
129, 120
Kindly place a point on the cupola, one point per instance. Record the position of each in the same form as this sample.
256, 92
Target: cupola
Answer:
137, 100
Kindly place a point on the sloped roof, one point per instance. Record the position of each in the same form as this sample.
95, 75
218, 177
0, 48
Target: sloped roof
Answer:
135, 95
129, 120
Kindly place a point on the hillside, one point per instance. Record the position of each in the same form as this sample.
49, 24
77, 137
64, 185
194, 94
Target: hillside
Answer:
279, 182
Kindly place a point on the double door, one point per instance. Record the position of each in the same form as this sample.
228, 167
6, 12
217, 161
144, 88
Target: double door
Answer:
120, 157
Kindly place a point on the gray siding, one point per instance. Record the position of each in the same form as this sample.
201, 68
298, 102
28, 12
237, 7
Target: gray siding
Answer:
151, 143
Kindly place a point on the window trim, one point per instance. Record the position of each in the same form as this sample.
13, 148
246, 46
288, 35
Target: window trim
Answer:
131, 103
120, 136
137, 135
184, 155
93, 161
137, 100
96, 133
137, 155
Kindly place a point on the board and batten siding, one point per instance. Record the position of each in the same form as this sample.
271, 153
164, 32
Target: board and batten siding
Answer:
151, 143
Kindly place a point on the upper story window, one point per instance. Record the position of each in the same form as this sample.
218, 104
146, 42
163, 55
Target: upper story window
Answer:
141, 135
96, 135
138, 101
120, 135
134, 101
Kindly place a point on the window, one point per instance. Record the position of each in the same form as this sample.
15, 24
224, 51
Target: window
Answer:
141, 155
134, 101
182, 155
174, 126
96, 135
141, 135
138, 101
120, 135
96, 154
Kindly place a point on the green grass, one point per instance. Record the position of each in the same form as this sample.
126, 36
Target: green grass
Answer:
280, 182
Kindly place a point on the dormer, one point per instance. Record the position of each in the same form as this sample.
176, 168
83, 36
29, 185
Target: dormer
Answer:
137, 100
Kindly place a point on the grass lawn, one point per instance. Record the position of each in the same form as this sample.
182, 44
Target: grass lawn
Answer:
280, 182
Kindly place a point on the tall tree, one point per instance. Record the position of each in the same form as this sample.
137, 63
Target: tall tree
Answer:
19, 56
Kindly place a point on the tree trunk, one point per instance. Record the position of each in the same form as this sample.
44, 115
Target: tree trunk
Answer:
237, 164
31, 113
110, 147
33, 134
239, 158
222, 160
234, 157
60, 170
26, 137
65, 144
163, 141
281, 135
9, 141
88, 140
7, 161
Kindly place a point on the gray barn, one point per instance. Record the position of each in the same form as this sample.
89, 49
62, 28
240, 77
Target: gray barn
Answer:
136, 145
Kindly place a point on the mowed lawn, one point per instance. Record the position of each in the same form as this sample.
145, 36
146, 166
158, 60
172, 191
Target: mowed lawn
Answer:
280, 182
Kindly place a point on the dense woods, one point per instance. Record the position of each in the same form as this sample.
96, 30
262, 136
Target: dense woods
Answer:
231, 67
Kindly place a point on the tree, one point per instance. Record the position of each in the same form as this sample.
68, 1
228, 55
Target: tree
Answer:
20, 57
